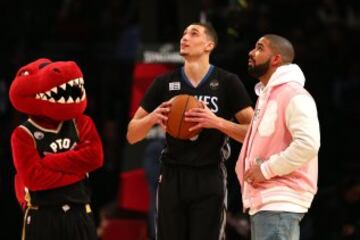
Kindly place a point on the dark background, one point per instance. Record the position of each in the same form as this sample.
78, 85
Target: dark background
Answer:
104, 38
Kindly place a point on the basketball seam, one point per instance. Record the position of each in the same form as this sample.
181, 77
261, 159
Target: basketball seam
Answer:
182, 116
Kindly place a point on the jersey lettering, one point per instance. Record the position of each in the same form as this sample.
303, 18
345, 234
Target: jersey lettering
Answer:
60, 144
211, 102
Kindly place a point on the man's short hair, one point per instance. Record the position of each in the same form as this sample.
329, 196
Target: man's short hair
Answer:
282, 46
209, 31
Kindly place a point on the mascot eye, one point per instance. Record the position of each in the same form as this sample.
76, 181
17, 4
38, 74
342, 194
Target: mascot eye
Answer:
43, 65
24, 73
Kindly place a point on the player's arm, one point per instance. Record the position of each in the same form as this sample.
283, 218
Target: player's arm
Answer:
143, 121
205, 118
30, 168
235, 130
153, 110
85, 157
240, 104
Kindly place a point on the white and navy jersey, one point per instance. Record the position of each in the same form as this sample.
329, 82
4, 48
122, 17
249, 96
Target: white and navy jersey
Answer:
224, 94
54, 141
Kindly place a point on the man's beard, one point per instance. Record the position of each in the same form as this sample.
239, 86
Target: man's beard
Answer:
259, 70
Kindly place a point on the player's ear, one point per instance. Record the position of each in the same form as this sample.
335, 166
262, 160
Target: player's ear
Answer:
210, 45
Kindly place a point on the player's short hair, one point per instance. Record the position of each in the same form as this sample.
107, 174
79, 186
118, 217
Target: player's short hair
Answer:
282, 46
209, 31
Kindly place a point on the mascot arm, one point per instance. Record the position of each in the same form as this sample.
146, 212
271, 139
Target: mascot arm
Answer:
30, 169
20, 191
86, 156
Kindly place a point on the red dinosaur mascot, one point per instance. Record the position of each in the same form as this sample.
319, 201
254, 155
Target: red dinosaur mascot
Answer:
53, 151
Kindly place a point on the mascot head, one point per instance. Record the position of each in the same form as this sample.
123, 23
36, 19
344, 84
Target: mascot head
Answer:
49, 89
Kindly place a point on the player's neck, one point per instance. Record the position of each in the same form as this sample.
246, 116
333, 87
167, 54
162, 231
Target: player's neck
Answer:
195, 71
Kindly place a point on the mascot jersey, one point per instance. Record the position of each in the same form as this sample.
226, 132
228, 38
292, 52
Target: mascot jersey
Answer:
55, 149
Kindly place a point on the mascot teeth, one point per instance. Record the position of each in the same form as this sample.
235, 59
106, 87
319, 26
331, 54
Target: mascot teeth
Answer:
54, 90
72, 91
70, 100
61, 100
63, 86
83, 96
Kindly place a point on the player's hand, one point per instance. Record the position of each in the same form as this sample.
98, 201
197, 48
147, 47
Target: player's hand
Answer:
254, 175
204, 118
159, 115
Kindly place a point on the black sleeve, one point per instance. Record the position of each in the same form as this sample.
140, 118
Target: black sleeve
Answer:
154, 95
238, 96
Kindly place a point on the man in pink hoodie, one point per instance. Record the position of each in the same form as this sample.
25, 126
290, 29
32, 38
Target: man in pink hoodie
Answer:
278, 165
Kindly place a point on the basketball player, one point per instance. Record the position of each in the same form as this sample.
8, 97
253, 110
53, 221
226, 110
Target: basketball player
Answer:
192, 183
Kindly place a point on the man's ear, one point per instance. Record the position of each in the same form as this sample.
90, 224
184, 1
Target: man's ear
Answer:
210, 46
276, 60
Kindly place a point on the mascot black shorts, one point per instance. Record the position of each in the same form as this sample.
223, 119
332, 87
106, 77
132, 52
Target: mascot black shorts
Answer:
59, 223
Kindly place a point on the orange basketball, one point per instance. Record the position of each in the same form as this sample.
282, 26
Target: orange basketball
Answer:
176, 125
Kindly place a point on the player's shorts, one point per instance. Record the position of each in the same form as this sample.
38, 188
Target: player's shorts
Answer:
191, 203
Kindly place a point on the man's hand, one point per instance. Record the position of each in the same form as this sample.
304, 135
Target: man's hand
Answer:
159, 115
254, 175
204, 118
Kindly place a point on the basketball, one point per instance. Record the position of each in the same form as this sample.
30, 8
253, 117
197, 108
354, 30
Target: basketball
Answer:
176, 125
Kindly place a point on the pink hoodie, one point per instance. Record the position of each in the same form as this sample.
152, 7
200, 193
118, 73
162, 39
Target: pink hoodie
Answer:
284, 138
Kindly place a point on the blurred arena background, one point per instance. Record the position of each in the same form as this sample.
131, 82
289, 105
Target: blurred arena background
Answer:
121, 45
